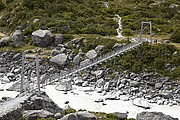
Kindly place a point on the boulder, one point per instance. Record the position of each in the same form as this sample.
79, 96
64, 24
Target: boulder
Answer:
91, 54
85, 84
154, 116
77, 40
99, 48
78, 81
85, 115
4, 41
42, 38
17, 36
107, 86
35, 114
99, 100
158, 85
121, 116
100, 83
117, 46
77, 59
55, 52
141, 103
64, 85
60, 59
85, 63
99, 73
71, 116
59, 39
82, 115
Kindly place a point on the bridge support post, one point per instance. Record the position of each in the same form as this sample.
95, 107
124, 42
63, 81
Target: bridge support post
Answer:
38, 75
22, 73
150, 30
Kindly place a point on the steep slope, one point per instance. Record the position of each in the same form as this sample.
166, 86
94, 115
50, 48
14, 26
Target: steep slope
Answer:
89, 17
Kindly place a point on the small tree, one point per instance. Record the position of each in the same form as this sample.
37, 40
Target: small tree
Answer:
175, 36
2, 6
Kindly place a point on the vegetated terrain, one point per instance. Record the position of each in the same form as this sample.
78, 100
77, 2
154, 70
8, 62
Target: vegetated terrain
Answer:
89, 17
71, 17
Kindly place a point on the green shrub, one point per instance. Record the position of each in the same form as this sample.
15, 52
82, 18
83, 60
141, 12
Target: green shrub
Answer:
70, 110
175, 36
2, 6
127, 32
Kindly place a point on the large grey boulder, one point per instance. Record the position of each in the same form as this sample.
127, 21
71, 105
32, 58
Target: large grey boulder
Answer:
59, 39
17, 36
91, 54
121, 116
64, 85
35, 114
59, 59
82, 115
42, 38
77, 59
154, 116
141, 103
4, 41
85, 115
85, 63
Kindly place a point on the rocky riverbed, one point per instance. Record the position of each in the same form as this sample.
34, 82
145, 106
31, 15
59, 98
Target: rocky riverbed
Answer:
140, 90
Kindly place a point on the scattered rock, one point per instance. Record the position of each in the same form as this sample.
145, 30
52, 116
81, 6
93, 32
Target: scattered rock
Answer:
35, 114
77, 59
64, 85
4, 41
99, 48
42, 38
121, 116
17, 37
154, 116
117, 46
59, 59
91, 54
100, 83
59, 39
158, 85
141, 103
99, 100
85, 63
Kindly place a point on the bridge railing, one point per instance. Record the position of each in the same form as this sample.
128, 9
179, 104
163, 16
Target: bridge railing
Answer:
93, 62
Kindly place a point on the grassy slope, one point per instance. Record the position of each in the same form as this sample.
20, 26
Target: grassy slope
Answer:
90, 16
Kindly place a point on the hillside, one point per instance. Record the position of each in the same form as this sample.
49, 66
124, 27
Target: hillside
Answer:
96, 19
89, 17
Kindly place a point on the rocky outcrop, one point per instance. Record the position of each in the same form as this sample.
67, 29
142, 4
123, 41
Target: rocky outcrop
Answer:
154, 116
42, 38
36, 114
29, 106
